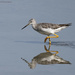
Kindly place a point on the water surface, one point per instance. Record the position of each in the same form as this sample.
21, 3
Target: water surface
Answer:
15, 43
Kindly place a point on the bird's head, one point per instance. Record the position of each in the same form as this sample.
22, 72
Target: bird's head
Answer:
31, 22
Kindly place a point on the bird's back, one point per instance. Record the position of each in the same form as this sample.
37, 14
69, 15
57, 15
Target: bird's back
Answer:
53, 26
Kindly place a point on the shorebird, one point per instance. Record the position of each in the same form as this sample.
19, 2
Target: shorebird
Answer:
47, 28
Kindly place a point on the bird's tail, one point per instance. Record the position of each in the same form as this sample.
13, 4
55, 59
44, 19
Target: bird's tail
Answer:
65, 25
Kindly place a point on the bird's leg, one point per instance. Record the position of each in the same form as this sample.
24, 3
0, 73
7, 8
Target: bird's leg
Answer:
49, 41
48, 37
56, 52
56, 36
47, 50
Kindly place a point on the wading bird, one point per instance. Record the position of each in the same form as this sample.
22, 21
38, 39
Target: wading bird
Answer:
47, 28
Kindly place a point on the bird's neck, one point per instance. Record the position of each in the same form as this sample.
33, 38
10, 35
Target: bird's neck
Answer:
34, 25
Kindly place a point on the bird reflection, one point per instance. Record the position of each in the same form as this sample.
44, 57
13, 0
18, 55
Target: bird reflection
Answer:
46, 58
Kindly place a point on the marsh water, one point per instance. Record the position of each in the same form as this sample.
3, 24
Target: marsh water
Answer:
23, 52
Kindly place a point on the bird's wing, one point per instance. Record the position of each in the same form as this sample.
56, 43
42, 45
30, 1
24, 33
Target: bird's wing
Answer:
49, 25
53, 26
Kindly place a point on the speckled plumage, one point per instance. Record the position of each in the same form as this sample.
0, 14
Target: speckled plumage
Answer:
47, 28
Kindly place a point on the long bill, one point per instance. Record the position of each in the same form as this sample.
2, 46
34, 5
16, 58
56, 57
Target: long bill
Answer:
26, 61
25, 26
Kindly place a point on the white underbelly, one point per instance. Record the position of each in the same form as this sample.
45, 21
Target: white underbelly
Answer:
52, 31
48, 31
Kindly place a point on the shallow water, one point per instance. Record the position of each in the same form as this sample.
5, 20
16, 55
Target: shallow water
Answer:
16, 43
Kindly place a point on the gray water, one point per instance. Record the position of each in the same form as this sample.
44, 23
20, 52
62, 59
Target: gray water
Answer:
16, 43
